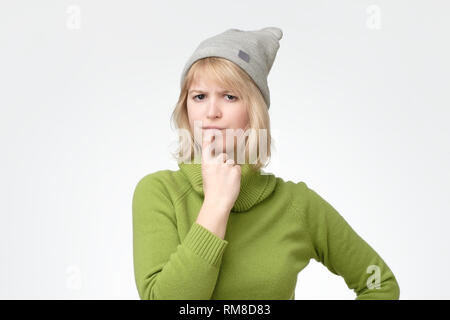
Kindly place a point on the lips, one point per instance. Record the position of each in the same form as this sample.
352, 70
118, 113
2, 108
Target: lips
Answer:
209, 128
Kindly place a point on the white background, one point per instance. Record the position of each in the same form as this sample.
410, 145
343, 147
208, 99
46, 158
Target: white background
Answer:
360, 112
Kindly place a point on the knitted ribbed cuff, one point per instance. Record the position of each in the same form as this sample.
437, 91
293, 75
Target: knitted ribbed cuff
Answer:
205, 243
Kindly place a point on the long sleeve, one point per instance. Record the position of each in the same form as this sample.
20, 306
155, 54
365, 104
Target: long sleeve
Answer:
337, 246
164, 267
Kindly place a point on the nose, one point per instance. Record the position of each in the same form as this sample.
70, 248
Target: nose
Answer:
213, 110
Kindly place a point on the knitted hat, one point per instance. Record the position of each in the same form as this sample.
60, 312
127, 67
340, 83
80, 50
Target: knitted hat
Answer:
254, 51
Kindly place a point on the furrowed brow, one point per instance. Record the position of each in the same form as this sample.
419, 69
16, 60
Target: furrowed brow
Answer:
203, 91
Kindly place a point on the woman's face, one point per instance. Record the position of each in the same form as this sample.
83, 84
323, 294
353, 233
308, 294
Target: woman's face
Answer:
208, 104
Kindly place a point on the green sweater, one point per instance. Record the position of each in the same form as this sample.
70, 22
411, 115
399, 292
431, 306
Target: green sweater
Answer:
273, 230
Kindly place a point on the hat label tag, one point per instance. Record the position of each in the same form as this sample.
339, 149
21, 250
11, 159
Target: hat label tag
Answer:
244, 56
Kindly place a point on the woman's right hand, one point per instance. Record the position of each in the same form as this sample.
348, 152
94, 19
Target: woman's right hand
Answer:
221, 176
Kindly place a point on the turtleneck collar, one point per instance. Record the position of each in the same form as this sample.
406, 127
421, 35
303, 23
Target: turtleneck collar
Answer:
256, 185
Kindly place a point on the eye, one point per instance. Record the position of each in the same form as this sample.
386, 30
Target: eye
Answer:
198, 96
233, 98
229, 95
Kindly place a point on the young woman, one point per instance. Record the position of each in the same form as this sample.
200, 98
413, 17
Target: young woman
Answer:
222, 228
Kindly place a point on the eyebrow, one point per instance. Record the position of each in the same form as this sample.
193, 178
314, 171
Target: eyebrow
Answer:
200, 90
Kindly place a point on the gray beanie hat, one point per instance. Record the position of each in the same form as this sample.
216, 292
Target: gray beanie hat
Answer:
254, 51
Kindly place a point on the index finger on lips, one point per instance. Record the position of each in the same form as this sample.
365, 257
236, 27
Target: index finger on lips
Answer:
207, 147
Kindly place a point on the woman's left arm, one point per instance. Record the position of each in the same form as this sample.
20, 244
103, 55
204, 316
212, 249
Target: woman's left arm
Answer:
336, 245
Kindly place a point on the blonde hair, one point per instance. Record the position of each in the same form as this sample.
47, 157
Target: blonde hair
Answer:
231, 76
